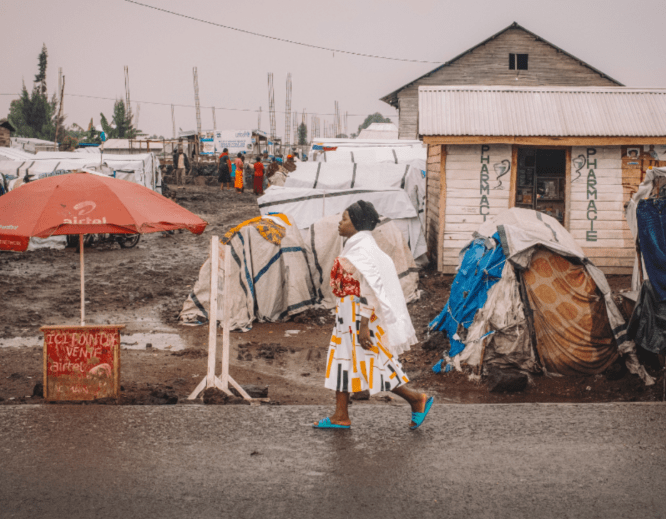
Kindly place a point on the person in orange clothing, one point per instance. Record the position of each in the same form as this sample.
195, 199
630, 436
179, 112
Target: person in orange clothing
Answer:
224, 170
258, 176
238, 183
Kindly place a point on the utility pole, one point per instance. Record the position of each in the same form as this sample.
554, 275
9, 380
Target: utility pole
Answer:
196, 99
287, 112
259, 119
173, 121
61, 84
138, 111
271, 107
214, 122
128, 106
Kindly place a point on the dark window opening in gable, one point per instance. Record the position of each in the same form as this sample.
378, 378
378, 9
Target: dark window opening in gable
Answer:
517, 61
522, 62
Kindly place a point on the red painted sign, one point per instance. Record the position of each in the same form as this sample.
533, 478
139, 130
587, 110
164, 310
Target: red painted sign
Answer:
81, 362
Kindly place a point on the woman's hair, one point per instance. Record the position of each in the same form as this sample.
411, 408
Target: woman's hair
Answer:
363, 215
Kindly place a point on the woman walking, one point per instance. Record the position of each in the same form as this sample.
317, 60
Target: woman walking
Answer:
238, 182
224, 170
372, 325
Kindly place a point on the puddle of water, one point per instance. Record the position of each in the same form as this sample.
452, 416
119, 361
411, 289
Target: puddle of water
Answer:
134, 341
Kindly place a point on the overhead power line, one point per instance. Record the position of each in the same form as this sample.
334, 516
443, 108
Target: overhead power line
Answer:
283, 40
251, 110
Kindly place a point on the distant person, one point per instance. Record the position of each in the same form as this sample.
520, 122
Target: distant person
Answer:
238, 182
224, 170
182, 164
258, 177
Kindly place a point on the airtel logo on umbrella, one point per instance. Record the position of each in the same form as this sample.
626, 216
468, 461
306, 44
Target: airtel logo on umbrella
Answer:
83, 209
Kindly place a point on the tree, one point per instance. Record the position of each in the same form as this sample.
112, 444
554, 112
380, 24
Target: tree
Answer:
373, 118
32, 114
302, 134
121, 123
40, 78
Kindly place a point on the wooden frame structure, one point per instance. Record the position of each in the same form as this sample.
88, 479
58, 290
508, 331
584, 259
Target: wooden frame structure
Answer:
211, 380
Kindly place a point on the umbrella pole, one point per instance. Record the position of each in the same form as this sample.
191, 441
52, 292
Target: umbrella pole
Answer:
83, 288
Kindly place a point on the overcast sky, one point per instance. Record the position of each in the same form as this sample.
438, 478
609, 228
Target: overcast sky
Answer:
92, 40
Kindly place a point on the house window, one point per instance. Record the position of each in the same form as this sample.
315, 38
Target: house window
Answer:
517, 61
541, 181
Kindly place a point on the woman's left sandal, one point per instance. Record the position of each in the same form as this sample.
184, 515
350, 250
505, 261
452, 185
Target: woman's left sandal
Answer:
326, 423
418, 418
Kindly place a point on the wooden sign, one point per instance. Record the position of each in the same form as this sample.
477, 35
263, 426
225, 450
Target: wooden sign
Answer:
81, 362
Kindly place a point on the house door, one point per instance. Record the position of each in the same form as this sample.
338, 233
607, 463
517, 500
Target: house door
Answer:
541, 181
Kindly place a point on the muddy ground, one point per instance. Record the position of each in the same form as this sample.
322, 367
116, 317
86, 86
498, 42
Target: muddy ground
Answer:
145, 288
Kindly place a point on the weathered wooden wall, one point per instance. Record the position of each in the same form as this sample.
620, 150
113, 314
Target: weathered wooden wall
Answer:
4, 138
473, 194
489, 65
432, 200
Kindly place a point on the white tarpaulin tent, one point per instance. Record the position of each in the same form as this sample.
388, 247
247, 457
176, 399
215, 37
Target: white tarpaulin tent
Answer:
309, 205
324, 244
395, 155
571, 310
379, 131
270, 272
140, 168
330, 142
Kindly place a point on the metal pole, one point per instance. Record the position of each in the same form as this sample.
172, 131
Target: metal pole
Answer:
83, 286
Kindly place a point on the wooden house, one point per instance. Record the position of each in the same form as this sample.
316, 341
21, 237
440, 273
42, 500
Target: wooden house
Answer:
5, 129
513, 56
575, 153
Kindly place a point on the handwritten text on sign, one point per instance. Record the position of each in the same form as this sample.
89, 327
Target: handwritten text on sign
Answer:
81, 362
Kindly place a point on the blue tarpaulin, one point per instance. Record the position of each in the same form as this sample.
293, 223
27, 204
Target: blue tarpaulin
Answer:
481, 268
651, 220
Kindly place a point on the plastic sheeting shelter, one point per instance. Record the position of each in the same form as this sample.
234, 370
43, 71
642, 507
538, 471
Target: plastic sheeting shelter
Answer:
310, 205
384, 154
551, 308
140, 168
270, 272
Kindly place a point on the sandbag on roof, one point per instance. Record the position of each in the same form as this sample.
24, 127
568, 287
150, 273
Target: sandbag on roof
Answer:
547, 286
270, 274
324, 244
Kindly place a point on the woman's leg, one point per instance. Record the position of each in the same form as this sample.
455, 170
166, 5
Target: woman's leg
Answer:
341, 415
416, 400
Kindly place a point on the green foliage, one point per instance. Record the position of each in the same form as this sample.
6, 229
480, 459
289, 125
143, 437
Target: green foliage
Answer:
40, 78
302, 134
373, 118
121, 123
32, 114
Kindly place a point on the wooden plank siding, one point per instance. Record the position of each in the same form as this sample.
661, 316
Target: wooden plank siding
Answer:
489, 65
596, 196
433, 196
473, 193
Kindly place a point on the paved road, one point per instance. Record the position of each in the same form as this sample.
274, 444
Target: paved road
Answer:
513, 461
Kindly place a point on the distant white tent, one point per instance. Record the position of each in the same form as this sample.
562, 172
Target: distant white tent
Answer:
379, 131
375, 154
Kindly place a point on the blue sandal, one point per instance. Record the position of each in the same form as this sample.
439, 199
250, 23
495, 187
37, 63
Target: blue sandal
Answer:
418, 418
326, 423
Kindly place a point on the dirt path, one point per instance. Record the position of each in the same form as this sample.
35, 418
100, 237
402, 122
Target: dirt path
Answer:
145, 288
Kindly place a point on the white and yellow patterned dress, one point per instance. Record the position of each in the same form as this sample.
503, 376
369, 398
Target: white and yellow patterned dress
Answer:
349, 367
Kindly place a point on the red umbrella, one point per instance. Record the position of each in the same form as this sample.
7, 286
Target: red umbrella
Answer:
87, 203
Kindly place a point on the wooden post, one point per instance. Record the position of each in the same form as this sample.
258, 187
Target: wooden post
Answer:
442, 208
83, 286
226, 319
212, 313
567, 189
211, 380
513, 182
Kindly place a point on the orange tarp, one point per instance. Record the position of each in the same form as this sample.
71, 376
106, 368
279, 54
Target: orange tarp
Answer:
570, 320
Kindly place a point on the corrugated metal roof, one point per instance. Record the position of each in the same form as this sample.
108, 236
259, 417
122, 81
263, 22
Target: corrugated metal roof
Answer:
542, 111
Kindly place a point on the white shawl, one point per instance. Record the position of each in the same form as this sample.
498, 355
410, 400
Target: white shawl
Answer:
378, 271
